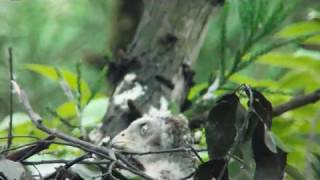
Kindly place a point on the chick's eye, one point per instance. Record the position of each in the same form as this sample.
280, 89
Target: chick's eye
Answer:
143, 129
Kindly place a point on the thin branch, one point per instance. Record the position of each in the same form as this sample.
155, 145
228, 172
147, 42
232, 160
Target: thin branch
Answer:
297, 102
68, 92
196, 154
110, 169
97, 84
17, 147
37, 121
40, 175
78, 102
64, 86
10, 133
69, 164
223, 32
63, 161
101, 151
162, 151
31, 150
77, 160
79, 95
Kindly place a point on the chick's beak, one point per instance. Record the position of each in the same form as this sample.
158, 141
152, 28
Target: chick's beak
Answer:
119, 142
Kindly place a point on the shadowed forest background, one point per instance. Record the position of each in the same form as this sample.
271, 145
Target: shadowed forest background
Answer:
54, 39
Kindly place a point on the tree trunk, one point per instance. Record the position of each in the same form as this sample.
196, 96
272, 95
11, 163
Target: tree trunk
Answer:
125, 20
157, 64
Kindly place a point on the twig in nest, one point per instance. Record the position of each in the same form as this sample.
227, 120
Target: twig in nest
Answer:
63, 161
10, 134
31, 150
69, 164
162, 151
110, 169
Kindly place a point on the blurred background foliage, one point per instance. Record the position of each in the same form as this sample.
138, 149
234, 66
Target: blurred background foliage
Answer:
50, 38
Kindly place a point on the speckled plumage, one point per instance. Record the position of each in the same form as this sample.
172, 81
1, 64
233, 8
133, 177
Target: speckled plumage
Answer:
154, 133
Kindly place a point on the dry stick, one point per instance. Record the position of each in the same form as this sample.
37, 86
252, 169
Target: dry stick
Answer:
18, 147
110, 169
33, 143
162, 151
79, 99
63, 161
29, 149
37, 121
10, 134
79, 95
69, 164
79, 159
196, 154
40, 175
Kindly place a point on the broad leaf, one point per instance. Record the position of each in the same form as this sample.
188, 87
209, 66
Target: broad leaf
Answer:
302, 28
69, 77
220, 129
269, 165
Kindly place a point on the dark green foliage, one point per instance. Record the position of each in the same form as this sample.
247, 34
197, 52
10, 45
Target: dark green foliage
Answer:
224, 134
221, 126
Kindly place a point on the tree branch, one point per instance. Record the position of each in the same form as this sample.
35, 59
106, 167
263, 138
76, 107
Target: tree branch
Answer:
69, 164
31, 150
296, 102
10, 134
63, 161
88, 147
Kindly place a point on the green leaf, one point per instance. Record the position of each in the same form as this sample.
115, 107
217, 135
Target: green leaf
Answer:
302, 28
94, 111
279, 142
306, 80
67, 110
195, 90
291, 61
22, 125
18, 118
241, 79
270, 141
68, 76
294, 172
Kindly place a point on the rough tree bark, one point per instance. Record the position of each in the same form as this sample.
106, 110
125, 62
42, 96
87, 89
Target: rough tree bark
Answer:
157, 64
